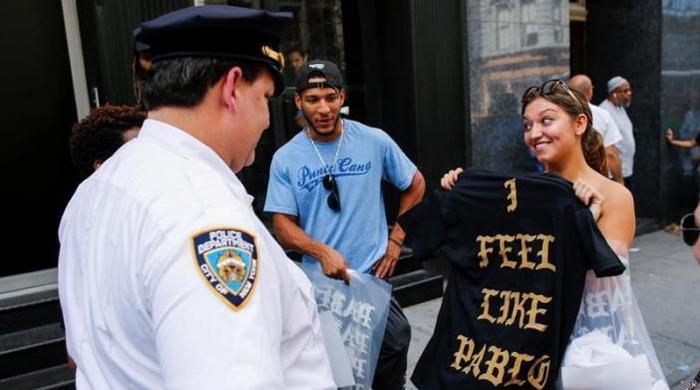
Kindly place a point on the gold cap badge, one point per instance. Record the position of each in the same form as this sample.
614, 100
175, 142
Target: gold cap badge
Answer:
275, 55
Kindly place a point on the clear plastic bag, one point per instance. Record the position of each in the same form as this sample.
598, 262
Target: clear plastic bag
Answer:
361, 309
610, 347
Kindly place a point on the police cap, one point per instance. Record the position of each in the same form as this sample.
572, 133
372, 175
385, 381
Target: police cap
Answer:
218, 31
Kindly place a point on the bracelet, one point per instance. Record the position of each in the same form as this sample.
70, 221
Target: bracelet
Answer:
400, 244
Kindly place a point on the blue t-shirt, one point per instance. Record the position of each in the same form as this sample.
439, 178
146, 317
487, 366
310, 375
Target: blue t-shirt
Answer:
366, 156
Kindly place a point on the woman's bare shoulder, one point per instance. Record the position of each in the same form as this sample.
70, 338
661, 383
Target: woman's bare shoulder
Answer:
617, 221
616, 193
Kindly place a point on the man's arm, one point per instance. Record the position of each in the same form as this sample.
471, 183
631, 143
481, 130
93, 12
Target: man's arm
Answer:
183, 305
409, 198
291, 236
681, 143
614, 164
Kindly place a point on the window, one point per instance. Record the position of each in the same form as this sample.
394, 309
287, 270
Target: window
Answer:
528, 23
504, 24
557, 25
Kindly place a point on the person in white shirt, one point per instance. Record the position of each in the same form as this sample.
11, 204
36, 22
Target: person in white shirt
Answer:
167, 279
620, 97
603, 124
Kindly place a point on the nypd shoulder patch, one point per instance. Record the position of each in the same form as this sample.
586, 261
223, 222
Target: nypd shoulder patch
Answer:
228, 260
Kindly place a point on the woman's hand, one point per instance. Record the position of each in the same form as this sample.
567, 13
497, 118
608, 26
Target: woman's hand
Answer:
449, 179
590, 197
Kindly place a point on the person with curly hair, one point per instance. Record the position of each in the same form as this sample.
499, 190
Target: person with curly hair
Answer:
97, 136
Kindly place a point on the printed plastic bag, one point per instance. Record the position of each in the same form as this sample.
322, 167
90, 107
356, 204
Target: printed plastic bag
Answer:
361, 309
610, 347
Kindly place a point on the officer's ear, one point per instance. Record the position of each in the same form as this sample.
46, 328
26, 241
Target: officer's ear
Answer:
297, 100
230, 88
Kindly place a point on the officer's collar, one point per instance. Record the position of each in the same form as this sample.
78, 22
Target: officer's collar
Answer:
190, 148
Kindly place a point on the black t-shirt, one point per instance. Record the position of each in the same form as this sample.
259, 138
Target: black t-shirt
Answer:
519, 246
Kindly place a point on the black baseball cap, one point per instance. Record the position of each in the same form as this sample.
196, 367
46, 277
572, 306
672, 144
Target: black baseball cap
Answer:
322, 68
218, 31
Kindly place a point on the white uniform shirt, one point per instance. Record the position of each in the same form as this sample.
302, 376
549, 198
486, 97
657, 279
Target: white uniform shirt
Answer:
626, 146
604, 124
141, 314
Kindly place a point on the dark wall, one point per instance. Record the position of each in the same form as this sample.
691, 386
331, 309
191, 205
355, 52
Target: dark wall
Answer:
441, 93
105, 28
624, 38
389, 69
577, 47
38, 109
413, 55
355, 60
414, 79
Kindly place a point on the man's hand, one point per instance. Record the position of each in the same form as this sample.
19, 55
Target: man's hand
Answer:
384, 268
334, 265
669, 136
590, 197
290, 235
449, 179
614, 165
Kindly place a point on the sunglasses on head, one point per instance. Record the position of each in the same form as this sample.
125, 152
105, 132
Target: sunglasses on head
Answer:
689, 231
549, 87
334, 197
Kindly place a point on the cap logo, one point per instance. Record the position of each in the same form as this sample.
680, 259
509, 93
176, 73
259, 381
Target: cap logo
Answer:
317, 66
274, 55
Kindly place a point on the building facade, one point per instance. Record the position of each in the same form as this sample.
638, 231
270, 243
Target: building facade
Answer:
443, 78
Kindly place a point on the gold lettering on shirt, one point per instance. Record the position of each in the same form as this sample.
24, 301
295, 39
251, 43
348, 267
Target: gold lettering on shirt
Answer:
538, 372
484, 251
525, 248
544, 253
523, 245
496, 365
512, 196
485, 315
464, 353
534, 311
504, 249
475, 364
522, 309
515, 369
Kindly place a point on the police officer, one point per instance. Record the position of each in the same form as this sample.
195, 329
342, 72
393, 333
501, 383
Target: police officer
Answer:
166, 277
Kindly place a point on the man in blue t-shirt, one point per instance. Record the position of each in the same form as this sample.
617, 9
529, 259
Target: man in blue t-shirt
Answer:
326, 199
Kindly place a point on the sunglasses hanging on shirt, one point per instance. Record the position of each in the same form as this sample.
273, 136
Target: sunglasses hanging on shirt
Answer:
334, 197
329, 182
689, 231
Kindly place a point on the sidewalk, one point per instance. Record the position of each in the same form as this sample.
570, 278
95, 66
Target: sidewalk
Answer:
666, 281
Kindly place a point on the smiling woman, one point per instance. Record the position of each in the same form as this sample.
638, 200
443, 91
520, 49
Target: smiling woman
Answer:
557, 129
575, 106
